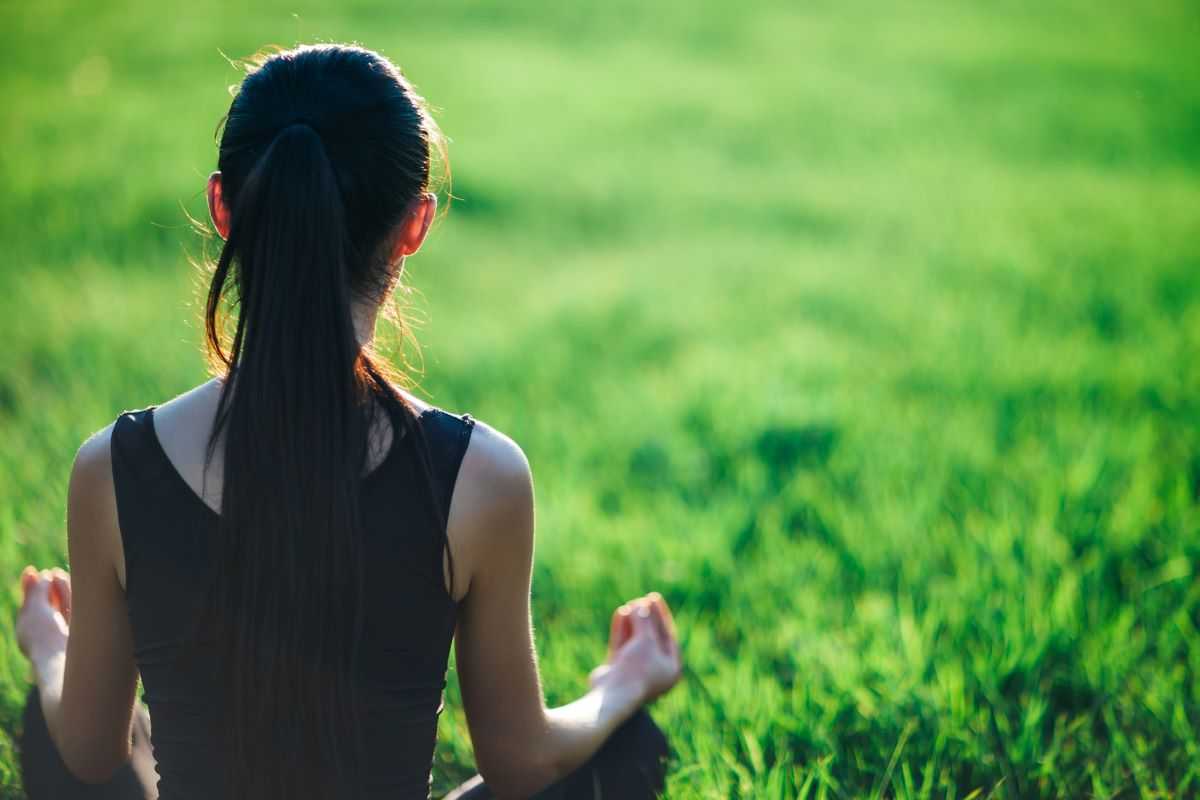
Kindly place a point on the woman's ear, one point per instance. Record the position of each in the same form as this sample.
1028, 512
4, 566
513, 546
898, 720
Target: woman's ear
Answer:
216, 206
415, 225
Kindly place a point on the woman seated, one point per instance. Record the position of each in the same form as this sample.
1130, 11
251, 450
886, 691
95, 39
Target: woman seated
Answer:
285, 553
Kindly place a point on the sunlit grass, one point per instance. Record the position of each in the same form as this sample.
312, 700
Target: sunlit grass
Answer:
865, 333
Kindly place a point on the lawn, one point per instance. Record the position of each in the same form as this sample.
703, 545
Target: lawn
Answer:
865, 332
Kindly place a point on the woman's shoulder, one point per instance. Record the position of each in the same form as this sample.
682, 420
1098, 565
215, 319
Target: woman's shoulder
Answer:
491, 519
91, 471
92, 531
199, 402
94, 456
492, 497
489, 454
496, 463
183, 411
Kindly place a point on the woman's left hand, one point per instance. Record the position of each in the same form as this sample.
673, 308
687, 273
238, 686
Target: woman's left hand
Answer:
45, 616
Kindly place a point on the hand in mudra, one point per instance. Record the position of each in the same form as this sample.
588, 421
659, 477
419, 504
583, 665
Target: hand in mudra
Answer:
642, 648
45, 615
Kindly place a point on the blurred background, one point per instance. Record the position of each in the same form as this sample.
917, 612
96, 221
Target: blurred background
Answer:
865, 332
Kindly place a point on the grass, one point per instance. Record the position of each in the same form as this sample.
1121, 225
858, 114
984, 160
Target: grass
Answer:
866, 333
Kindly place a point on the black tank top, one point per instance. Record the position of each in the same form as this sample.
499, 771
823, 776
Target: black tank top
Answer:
170, 538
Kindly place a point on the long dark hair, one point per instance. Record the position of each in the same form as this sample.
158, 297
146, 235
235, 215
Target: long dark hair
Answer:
322, 152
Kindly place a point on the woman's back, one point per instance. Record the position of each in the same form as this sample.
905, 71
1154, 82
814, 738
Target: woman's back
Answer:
169, 535
292, 626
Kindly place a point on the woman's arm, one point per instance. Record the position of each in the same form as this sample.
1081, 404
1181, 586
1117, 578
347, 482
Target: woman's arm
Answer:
87, 680
520, 745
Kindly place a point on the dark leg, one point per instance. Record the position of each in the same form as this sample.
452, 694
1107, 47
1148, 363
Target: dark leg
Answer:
630, 766
46, 776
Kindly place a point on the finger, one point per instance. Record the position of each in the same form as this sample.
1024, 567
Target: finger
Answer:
642, 625
47, 577
620, 631
29, 576
670, 635
38, 590
62, 590
661, 631
661, 603
62, 580
615, 624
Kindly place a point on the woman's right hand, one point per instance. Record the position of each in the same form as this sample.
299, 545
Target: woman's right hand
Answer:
643, 649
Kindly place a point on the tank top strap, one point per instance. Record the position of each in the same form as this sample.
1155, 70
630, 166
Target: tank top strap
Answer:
136, 470
134, 452
447, 437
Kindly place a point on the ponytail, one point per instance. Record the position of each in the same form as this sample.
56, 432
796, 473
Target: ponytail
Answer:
295, 410
322, 152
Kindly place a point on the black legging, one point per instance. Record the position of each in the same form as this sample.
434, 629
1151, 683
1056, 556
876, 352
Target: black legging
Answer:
631, 766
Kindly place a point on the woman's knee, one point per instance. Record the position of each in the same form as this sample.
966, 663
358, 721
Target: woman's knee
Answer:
38, 756
35, 736
633, 762
46, 777
647, 739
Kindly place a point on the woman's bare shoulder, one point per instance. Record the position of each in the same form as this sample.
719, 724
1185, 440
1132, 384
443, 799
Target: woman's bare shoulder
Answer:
494, 471
183, 426
496, 463
199, 402
92, 533
492, 456
491, 512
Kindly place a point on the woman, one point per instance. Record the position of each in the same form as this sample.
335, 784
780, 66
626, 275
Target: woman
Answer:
285, 553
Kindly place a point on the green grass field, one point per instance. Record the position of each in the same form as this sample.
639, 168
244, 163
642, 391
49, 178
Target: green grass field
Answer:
867, 333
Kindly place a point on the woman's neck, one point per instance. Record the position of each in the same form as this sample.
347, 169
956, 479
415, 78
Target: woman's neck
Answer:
364, 316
